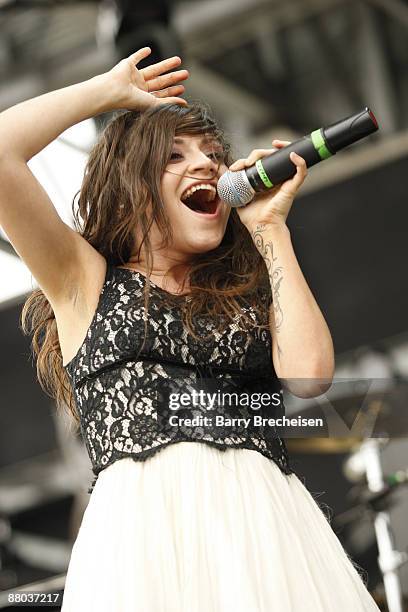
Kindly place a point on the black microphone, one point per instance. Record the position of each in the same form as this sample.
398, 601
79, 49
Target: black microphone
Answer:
239, 188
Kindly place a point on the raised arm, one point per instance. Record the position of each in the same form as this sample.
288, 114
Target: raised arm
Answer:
302, 348
50, 248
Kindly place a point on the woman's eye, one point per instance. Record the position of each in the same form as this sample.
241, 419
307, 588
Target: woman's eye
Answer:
217, 155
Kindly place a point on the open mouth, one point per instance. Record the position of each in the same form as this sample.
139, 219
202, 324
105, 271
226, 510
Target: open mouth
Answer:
201, 199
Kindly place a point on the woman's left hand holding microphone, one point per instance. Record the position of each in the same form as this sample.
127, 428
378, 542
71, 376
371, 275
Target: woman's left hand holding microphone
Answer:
271, 207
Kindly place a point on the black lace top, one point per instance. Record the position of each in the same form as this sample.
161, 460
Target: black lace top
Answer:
123, 395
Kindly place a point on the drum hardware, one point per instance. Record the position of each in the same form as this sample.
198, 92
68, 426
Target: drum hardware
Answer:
389, 559
370, 502
374, 502
350, 419
323, 445
375, 418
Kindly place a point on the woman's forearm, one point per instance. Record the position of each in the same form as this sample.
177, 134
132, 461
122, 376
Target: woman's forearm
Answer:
303, 346
28, 127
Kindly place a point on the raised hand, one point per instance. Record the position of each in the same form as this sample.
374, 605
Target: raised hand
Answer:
135, 89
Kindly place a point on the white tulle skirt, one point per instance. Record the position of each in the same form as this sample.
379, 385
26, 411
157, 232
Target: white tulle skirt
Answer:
195, 529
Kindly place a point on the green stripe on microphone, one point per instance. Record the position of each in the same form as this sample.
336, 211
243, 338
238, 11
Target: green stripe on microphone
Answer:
262, 174
320, 144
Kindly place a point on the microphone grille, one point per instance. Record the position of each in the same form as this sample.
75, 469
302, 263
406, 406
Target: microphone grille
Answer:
235, 189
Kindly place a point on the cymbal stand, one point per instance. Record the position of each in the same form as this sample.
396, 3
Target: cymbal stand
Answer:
389, 559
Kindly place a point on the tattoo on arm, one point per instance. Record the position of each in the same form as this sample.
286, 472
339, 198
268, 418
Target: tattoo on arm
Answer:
275, 274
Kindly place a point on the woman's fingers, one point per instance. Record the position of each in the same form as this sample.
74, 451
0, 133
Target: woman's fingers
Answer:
164, 66
140, 54
166, 80
237, 165
153, 75
293, 184
281, 143
169, 91
300, 164
258, 154
251, 159
172, 100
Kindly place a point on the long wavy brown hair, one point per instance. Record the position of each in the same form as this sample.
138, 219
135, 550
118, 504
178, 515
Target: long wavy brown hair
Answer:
121, 188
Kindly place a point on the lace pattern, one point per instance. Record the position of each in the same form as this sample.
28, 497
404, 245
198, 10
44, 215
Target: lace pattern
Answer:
122, 394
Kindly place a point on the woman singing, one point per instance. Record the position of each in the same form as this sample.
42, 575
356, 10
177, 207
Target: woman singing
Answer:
162, 291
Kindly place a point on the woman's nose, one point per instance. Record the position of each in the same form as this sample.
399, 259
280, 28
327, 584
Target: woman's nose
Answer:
203, 162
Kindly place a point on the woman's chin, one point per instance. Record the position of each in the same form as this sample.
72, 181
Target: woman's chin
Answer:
202, 244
